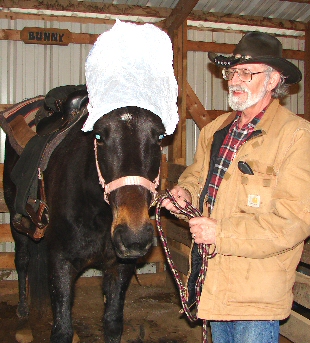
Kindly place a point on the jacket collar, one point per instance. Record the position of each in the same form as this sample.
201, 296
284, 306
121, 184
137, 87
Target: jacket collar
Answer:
264, 124
269, 116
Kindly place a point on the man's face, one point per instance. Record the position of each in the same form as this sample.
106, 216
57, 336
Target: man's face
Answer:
242, 94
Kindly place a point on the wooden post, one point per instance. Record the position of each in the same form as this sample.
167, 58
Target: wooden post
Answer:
306, 78
177, 152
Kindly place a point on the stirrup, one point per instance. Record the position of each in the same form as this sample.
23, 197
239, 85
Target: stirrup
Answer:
39, 218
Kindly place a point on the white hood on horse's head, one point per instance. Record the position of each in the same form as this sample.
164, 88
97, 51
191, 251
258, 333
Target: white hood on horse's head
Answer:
131, 65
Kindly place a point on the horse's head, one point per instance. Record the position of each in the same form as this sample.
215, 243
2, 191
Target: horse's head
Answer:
128, 144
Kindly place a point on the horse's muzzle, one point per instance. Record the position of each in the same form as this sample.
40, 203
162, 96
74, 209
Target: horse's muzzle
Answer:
130, 243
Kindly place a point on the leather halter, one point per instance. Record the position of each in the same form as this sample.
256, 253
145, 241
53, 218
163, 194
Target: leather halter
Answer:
124, 181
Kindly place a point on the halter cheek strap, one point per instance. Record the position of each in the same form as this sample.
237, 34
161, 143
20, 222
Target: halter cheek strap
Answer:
124, 181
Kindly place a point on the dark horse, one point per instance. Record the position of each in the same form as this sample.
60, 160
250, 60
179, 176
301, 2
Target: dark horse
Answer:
84, 230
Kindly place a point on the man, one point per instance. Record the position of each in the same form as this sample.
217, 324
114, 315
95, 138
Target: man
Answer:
251, 180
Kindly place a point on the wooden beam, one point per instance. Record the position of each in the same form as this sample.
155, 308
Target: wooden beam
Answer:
4, 107
5, 233
301, 290
174, 171
143, 11
305, 257
3, 207
180, 260
178, 233
177, 152
296, 329
88, 38
195, 108
87, 7
229, 48
213, 114
298, 1
246, 20
61, 18
306, 77
7, 260
179, 14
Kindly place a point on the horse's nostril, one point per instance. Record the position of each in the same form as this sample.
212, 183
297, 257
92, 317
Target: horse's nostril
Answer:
131, 243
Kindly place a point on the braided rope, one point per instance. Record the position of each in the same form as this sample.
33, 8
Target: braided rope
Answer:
190, 212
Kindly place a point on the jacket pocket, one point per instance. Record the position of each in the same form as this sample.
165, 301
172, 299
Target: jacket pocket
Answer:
255, 192
262, 282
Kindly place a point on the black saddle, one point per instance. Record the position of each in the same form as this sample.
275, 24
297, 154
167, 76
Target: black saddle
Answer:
63, 107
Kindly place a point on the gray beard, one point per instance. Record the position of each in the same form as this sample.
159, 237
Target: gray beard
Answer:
237, 105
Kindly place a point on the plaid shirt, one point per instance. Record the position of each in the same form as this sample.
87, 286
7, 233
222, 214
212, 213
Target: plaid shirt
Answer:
232, 143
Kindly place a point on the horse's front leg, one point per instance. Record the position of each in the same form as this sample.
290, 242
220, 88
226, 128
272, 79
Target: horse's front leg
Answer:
62, 278
22, 257
115, 284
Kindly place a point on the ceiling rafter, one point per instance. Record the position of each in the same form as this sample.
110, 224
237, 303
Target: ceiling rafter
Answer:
87, 7
298, 1
170, 16
247, 20
179, 14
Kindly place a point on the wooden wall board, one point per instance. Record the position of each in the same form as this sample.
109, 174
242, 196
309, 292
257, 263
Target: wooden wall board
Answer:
297, 328
148, 11
7, 261
5, 234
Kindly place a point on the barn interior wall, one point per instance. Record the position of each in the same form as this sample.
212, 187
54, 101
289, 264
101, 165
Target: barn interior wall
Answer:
27, 70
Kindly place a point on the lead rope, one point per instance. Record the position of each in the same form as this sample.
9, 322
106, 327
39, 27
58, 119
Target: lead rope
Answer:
190, 212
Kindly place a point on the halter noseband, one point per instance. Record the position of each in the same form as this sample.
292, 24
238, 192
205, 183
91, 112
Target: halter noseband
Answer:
124, 181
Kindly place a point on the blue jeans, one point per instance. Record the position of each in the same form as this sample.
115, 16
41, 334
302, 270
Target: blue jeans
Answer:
245, 331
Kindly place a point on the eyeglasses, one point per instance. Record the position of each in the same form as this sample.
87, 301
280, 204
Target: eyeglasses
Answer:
244, 75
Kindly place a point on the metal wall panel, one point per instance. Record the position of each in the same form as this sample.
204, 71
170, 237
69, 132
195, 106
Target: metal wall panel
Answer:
28, 70
288, 10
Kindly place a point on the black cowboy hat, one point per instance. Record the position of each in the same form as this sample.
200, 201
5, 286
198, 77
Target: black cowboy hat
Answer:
259, 47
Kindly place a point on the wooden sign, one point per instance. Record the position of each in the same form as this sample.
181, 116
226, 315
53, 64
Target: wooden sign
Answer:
40, 35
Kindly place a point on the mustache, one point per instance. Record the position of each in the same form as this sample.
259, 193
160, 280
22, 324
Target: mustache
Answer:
237, 88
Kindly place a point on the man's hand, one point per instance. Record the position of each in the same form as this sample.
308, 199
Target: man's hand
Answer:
179, 194
203, 230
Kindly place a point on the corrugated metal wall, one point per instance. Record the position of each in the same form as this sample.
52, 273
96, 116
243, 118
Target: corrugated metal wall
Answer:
31, 69
27, 70
211, 89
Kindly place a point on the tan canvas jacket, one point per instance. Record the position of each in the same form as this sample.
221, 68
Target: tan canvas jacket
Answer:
262, 219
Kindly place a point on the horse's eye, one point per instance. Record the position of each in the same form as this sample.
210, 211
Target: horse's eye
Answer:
160, 138
99, 139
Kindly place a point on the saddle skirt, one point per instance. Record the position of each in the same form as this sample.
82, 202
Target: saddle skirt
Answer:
35, 127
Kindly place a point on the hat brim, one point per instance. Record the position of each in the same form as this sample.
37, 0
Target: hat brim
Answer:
291, 73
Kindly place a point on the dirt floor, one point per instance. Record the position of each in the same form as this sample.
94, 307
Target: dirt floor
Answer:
151, 315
